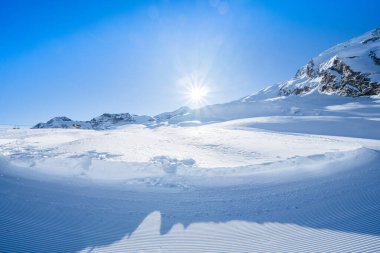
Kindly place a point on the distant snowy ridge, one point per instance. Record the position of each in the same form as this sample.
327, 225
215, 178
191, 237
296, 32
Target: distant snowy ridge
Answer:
108, 120
170, 115
105, 121
346, 75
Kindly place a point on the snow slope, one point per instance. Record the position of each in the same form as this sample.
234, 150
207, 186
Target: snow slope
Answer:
136, 151
222, 187
262, 104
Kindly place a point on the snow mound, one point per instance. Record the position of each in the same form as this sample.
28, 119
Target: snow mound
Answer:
171, 165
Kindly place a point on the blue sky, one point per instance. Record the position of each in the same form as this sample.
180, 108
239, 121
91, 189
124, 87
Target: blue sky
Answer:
83, 58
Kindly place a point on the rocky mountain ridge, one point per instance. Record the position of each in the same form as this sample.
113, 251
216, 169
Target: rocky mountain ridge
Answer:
109, 120
104, 121
350, 69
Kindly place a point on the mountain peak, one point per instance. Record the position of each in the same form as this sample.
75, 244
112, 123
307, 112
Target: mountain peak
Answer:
351, 68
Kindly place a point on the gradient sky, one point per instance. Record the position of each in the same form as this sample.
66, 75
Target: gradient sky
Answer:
82, 58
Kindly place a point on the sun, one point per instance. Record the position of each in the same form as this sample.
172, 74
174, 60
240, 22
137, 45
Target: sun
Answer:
195, 89
198, 93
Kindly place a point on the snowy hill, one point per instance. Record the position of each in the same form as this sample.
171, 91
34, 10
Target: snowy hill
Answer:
342, 81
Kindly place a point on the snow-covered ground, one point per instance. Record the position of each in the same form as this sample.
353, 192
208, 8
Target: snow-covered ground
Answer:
282, 184
232, 148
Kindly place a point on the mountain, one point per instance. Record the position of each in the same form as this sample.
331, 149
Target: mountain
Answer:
351, 68
105, 121
63, 122
344, 79
171, 115
109, 121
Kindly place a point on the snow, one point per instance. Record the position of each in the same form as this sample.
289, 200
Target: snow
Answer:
134, 147
283, 184
168, 115
267, 237
354, 51
264, 237
266, 103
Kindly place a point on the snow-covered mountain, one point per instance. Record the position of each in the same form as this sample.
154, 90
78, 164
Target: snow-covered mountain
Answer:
346, 75
344, 79
170, 115
108, 120
351, 68
64, 122
105, 121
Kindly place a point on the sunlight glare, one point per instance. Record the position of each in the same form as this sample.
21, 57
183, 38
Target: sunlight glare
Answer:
198, 93
196, 89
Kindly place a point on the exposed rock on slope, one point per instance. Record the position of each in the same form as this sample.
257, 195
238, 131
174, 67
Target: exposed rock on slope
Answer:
63, 122
108, 120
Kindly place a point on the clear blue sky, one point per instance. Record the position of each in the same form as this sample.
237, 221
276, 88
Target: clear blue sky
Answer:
82, 58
